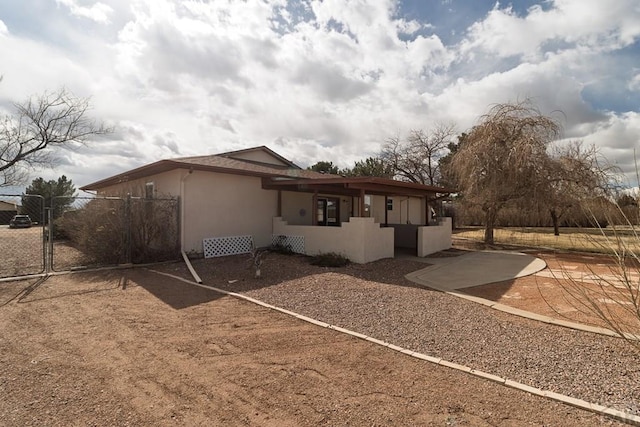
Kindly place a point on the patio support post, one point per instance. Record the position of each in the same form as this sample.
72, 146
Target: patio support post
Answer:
361, 213
427, 211
407, 221
279, 203
314, 209
386, 211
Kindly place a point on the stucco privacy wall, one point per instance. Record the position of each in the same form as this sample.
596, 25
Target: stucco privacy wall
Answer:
434, 238
219, 205
361, 239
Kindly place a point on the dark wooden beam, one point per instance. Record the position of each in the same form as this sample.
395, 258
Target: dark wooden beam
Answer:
314, 209
279, 202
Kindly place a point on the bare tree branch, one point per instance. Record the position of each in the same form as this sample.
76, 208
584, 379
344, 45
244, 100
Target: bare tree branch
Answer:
40, 124
417, 159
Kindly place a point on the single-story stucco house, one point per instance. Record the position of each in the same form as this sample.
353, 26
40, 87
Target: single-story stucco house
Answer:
255, 196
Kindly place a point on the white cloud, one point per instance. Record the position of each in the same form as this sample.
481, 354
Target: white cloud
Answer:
97, 11
567, 23
634, 83
329, 80
4, 31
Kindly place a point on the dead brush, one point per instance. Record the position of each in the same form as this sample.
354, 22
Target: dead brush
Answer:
256, 257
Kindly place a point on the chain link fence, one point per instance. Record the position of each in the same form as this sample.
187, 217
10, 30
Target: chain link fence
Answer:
84, 232
22, 236
90, 232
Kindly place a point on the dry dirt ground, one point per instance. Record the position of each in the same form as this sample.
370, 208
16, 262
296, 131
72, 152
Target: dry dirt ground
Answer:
568, 288
134, 348
22, 253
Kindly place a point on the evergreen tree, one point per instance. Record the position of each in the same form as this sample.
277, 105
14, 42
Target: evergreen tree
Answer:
58, 195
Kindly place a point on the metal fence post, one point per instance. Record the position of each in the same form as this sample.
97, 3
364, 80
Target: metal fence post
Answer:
49, 239
178, 212
128, 220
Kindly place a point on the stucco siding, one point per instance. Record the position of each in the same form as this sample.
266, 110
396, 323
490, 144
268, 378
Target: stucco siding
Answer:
297, 208
166, 184
406, 210
218, 205
377, 209
259, 156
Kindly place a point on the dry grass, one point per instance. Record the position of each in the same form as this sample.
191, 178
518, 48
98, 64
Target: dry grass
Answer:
574, 239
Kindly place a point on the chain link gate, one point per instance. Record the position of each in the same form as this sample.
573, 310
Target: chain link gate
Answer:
22, 238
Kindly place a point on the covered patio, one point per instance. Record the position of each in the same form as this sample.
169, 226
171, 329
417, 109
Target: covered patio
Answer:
363, 218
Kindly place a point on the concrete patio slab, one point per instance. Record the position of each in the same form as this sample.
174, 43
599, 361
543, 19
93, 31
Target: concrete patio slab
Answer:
475, 269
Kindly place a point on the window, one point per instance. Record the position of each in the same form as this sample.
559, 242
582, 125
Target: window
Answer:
389, 204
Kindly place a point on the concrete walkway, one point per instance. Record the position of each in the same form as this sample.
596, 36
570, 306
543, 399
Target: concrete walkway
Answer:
449, 274
474, 269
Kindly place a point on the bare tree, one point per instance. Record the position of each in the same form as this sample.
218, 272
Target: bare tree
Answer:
39, 124
417, 158
503, 157
575, 174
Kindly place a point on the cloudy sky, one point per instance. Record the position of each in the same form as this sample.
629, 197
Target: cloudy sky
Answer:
319, 80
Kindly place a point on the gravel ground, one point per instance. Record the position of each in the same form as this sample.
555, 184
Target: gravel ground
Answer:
376, 300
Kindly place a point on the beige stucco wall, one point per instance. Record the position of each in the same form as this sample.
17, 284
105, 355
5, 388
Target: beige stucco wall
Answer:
214, 204
259, 156
415, 207
292, 203
361, 239
377, 208
6, 206
434, 238
220, 205
166, 184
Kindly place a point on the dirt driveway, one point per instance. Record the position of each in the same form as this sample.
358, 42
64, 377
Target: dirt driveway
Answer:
136, 348
21, 251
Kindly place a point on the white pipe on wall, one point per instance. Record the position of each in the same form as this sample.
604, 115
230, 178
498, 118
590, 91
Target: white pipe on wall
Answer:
182, 207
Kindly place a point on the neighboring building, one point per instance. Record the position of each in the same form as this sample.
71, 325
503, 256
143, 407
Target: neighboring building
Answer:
255, 196
7, 211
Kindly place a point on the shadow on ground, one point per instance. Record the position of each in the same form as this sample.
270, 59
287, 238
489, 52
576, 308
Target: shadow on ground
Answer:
174, 293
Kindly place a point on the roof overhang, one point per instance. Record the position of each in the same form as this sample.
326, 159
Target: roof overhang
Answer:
355, 186
168, 165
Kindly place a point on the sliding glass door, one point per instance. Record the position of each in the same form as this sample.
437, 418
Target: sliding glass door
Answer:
328, 211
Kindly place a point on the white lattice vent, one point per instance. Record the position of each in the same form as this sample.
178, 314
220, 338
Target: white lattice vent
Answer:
295, 243
223, 246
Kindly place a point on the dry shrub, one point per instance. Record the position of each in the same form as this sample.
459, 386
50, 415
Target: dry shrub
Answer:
612, 296
97, 229
154, 230
330, 259
122, 230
